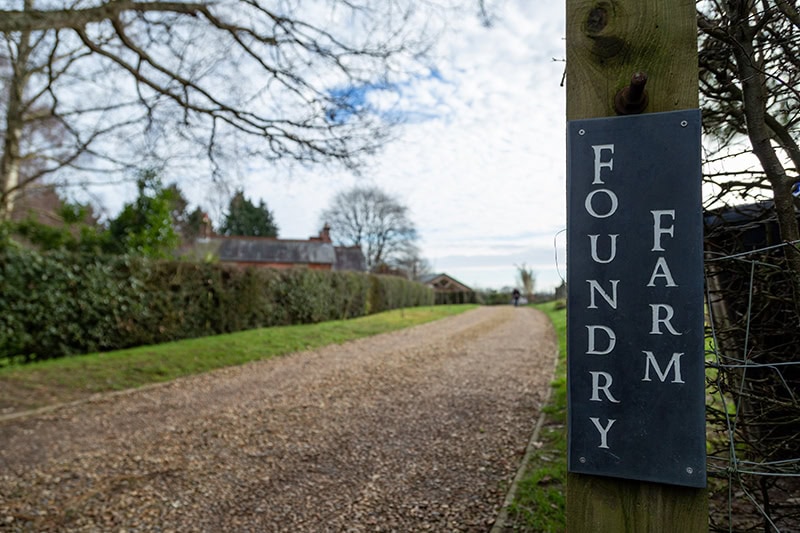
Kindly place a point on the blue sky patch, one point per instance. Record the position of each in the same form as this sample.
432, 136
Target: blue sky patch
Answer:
355, 100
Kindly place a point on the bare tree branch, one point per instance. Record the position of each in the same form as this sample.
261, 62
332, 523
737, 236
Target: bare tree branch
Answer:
276, 81
373, 220
45, 20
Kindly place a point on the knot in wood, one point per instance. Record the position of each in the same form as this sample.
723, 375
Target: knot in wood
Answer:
597, 21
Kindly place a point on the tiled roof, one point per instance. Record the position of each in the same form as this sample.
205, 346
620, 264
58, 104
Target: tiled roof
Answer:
267, 250
255, 250
350, 258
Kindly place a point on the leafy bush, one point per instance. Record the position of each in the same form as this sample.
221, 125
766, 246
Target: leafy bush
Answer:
62, 304
393, 292
493, 297
57, 304
456, 297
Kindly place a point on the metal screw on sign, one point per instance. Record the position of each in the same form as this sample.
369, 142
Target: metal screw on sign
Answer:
582, 459
633, 99
689, 470
684, 123
581, 132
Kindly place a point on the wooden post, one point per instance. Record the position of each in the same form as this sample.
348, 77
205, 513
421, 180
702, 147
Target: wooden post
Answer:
607, 42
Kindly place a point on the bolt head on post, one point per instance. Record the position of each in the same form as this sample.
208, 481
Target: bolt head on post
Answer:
632, 99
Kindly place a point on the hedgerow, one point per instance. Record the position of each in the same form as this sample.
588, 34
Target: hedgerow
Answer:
57, 304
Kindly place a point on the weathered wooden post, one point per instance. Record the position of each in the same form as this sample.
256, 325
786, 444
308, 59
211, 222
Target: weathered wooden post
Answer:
637, 456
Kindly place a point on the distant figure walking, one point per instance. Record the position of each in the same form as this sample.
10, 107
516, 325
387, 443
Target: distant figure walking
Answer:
515, 295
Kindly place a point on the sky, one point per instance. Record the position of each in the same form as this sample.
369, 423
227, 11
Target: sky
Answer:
480, 164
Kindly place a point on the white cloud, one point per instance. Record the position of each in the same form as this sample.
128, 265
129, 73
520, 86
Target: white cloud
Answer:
481, 164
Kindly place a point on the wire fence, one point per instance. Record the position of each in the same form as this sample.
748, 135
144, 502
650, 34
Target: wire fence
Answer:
753, 374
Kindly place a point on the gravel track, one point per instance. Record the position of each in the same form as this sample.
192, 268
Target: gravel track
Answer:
417, 430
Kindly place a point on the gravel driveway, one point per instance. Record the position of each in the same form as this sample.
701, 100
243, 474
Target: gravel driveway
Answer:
417, 430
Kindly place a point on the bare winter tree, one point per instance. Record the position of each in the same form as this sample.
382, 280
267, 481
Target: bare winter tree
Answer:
527, 279
410, 262
749, 79
96, 86
372, 219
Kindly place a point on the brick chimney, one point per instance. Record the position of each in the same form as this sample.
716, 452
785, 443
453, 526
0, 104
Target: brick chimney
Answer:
325, 234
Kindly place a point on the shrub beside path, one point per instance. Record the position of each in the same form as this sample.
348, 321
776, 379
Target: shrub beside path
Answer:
422, 429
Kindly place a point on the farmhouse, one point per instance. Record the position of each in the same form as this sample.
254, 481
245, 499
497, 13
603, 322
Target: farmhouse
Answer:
317, 253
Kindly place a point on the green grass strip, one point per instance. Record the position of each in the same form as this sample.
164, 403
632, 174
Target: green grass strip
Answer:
66, 378
539, 504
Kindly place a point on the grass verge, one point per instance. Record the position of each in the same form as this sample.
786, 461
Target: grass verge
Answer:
66, 379
539, 504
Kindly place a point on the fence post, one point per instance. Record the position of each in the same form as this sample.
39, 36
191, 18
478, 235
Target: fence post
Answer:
608, 41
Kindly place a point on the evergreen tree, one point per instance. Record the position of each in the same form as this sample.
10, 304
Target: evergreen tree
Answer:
193, 226
47, 222
146, 226
246, 219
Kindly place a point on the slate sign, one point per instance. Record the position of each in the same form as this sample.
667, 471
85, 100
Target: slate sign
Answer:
635, 300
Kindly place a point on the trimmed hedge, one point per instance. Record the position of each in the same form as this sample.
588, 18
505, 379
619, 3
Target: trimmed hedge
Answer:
392, 292
456, 297
57, 304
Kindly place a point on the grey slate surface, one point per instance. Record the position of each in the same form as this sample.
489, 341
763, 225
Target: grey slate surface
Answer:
276, 251
350, 258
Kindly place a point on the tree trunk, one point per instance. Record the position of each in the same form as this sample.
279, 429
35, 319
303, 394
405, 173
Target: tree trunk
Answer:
11, 158
754, 98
